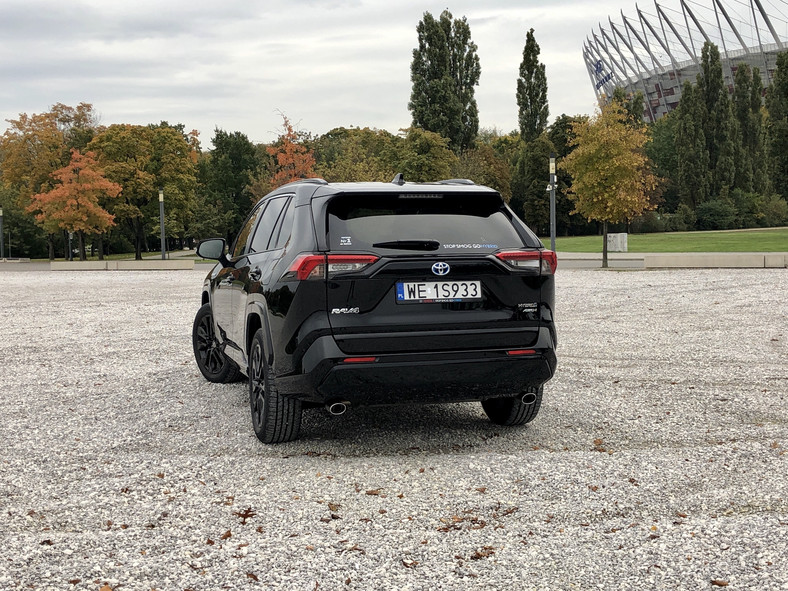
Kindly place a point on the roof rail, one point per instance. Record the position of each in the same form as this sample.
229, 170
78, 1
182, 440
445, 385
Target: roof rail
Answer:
456, 182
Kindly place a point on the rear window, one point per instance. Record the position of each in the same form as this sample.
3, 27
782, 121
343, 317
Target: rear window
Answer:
446, 223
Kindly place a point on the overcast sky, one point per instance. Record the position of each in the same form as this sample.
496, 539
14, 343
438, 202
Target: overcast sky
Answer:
234, 64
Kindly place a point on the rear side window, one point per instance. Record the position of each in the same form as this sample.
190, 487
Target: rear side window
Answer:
262, 236
446, 223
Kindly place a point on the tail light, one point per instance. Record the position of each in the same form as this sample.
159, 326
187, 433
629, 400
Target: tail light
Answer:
546, 261
313, 266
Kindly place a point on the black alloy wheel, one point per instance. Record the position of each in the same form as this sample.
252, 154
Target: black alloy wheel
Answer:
213, 363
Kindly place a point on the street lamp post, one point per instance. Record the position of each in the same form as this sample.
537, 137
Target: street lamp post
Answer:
161, 221
552, 201
70, 256
2, 246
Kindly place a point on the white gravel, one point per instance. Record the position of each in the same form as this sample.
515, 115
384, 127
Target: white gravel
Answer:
659, 458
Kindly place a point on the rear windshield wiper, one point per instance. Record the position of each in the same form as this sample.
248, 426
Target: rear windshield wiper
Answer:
409, 244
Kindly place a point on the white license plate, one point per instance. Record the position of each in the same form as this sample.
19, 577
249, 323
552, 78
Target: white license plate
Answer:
438, 291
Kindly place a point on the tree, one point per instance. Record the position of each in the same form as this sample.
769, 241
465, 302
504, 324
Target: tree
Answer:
352, 154
717, 120
444, 71
74, 202
425, 156
662, 150
293, 160
532, 91
567, 222
612, 178
777, 126
484, 166
692, 155
225, 176
745, 124
529, 179
125, 153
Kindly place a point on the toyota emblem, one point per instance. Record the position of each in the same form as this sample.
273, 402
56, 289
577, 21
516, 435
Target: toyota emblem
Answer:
441, 268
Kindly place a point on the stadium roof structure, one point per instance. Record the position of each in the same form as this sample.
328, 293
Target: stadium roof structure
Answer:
655, 52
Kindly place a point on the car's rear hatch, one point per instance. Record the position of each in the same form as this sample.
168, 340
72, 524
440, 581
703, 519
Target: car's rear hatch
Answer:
431, 272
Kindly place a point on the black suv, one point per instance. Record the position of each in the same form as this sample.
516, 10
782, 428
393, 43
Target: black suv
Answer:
345, 294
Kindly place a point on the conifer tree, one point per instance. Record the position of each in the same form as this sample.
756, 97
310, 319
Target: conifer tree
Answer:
717, 121
777, 130
532, 91
444, 71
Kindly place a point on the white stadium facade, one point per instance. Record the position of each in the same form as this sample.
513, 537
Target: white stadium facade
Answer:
657, 48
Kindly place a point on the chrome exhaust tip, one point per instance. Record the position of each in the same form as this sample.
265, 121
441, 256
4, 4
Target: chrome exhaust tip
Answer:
337, 408
528, 398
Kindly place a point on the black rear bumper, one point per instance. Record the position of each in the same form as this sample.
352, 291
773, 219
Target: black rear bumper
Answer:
422, 377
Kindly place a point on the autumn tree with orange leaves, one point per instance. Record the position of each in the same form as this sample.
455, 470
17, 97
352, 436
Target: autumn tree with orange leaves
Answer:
74, 203
293, 161
612, 175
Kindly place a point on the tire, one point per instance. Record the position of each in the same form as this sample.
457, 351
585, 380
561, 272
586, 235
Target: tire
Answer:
275, 418
214, 365
511, 411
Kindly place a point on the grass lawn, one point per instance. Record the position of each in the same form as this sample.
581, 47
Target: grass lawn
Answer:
760, 240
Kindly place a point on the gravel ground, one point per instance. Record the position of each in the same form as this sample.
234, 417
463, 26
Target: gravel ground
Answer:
659, 458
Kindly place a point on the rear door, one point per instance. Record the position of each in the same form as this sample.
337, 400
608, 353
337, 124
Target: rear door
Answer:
430, 272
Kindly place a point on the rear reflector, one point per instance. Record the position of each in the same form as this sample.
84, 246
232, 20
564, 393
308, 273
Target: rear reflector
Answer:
359, 359
522, 352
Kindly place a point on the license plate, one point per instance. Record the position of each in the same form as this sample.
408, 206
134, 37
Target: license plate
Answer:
438, 291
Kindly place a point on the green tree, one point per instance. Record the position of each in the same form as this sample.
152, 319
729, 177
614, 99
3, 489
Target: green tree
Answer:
225, 176
631, 103
777, 126
532, 91
692, 155
529, 180
612, 178
172, 165
424, 156
444, 71
743, 118
352, 154
125, 153
717, 120
484, 166
662, 151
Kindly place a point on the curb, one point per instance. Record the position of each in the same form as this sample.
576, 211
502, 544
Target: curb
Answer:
676, 260
144, 265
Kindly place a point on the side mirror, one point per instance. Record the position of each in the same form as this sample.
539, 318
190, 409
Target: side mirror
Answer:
213, 248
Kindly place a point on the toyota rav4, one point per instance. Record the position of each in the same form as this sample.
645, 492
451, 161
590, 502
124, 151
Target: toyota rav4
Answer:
346, 294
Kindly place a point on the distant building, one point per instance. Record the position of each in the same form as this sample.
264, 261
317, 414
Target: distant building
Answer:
655, 53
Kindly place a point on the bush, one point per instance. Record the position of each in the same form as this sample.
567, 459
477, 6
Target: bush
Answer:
648, 223
717, 214
682, 221
775, 211
749, 209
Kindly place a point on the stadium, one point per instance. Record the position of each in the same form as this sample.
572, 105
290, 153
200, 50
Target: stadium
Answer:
656, 51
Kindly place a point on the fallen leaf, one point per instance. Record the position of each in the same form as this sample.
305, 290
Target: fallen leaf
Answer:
374, 492
226, 535
252, 576
334, 507
719, 583
410, 564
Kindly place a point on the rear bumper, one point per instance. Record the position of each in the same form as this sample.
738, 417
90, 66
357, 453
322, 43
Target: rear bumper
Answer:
422, 377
